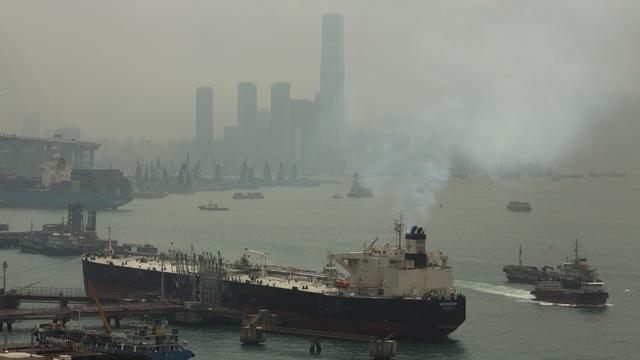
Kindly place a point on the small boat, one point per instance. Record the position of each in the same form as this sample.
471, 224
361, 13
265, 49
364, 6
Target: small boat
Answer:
212, 206
357, 190
143, 340
251, 195
336, 196
519, 206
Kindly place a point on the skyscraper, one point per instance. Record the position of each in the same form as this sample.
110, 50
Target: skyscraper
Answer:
247, 105
304, 133
204, 121
332, 109
247, 118
281, 130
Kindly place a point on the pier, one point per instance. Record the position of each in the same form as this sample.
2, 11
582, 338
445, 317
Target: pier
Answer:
11, 239
116, 312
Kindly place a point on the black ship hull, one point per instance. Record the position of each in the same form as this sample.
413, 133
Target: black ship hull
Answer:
563, 296
406, 319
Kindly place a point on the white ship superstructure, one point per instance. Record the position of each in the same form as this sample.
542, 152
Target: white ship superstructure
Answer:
391, 270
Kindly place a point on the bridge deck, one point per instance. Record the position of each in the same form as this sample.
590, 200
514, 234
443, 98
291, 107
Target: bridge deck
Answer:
120, 310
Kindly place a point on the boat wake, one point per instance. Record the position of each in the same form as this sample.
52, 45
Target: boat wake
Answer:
494, 289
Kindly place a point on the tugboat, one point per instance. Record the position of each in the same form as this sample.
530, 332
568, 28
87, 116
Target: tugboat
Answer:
527, 274
212, 206
357, 190
519, 206
577, 284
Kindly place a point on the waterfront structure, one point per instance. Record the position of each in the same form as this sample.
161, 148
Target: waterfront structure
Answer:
23, 155
204, 121
72, 133
331, 97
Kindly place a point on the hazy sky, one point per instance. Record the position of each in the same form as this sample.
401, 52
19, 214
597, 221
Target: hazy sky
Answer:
547, 78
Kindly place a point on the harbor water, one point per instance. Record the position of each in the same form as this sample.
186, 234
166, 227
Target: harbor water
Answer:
465, 218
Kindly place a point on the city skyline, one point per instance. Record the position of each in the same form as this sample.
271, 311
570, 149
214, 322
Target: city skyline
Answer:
425, 69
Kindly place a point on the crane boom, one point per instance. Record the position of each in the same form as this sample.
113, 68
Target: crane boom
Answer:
105, 322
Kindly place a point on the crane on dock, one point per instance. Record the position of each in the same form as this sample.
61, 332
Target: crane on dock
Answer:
103, 317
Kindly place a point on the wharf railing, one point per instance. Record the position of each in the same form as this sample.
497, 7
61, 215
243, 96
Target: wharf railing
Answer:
50, 292
76, 312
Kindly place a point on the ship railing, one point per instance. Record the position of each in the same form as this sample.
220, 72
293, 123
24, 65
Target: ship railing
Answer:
51, 292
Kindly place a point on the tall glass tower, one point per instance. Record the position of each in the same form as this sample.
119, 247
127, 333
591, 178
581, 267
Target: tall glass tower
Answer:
204, 121
332, 108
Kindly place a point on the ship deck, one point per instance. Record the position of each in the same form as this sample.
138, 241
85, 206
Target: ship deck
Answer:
284, 278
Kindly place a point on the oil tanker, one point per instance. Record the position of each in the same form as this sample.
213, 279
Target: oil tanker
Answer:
396, 291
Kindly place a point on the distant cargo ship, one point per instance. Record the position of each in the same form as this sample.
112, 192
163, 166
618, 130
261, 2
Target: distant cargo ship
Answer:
61, 185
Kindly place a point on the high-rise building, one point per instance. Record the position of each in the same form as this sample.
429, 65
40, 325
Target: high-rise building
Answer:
281, 130
247, 119
331, 98
204, 121
247, 105
304, 135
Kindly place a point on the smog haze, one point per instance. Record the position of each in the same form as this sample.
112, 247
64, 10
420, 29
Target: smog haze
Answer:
495, 80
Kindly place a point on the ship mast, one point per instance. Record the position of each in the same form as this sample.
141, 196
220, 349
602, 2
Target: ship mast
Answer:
399, 228
110, 248
575, 250
520, 255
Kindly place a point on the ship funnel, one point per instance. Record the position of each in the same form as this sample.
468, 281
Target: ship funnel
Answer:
416, 247
416, 234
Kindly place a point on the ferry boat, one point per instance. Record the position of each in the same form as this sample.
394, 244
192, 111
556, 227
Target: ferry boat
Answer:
398, 290
576, 284
519, 206
248, 196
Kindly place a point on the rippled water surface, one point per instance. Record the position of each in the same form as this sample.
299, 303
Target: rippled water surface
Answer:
297, 226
